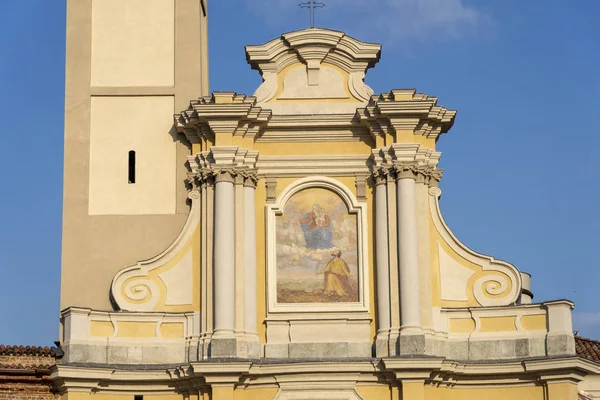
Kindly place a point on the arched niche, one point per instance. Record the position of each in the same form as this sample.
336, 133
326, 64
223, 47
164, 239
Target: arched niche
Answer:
312, 220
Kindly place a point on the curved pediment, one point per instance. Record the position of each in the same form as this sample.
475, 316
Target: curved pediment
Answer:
302, 70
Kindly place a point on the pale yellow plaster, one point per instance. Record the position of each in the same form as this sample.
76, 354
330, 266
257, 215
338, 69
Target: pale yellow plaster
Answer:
348, 181
379, 392
436, 239
371, 262
436, 280
192, 245
413, 390
462, 325
171, 330
135, 123
261, 267
281, 79
409, 136
533, 322
224, 139
131, 329
243, 142
224, 392
490, 393
256, 394
117, 396
313, 148
562, 391
498, 324
124, 396
133, 48
101, 329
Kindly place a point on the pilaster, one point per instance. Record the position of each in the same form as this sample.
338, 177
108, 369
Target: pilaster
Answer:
402, 174
560, 340
382, 264
232, 172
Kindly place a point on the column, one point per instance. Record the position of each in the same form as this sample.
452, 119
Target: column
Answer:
249, 256
408, 254
382, 264
224, 254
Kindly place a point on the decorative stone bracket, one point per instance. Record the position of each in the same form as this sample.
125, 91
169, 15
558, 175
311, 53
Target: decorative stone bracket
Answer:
488, 281
406, 110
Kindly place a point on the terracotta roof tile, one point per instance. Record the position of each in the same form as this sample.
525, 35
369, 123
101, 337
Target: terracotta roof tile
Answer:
24, 351
587, 348
25, 367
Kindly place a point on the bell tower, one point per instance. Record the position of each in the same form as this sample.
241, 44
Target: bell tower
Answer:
131, 64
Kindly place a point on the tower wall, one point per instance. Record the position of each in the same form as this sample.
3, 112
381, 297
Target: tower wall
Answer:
131, 64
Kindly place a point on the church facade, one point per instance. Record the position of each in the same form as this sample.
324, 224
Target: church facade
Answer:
283, 245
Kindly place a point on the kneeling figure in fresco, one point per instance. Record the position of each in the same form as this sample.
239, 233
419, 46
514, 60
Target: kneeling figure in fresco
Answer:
337, 276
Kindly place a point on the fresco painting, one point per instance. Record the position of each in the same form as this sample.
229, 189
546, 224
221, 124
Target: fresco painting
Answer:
317, 250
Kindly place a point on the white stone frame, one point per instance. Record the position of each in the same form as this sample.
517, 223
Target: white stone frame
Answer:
354, 207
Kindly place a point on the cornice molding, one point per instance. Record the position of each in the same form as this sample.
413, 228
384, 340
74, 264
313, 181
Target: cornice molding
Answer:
313, 44
222, 113
405, 109
432, 371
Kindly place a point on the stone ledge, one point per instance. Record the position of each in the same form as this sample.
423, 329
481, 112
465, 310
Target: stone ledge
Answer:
319, 350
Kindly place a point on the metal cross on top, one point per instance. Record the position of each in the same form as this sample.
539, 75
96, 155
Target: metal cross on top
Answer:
312, 5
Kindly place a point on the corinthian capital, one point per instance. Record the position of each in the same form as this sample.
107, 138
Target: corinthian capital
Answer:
406, 171
224, 174
380, 175
435, 177
250, 178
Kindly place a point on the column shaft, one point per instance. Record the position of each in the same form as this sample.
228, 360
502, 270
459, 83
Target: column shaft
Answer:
382, 265
249, 260
408, 254
224, 256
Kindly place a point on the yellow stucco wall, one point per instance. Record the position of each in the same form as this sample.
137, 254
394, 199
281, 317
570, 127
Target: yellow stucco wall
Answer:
407, 391
315, 148
120, 396
437, 242
380, 392
490, 393
255, 394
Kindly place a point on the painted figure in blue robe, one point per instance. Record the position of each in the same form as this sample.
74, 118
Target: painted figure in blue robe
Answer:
317, 228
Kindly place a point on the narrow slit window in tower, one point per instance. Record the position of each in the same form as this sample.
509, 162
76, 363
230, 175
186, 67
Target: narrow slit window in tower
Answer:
131, 173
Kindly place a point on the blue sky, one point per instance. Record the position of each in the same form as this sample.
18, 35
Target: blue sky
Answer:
521, 163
